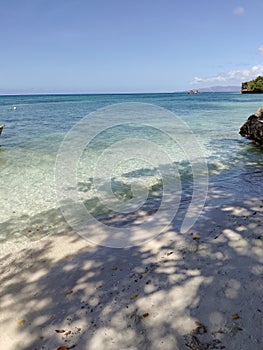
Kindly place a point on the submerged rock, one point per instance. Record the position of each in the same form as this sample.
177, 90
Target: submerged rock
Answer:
252, 129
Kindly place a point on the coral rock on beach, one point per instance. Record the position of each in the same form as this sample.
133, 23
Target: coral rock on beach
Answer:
252, 129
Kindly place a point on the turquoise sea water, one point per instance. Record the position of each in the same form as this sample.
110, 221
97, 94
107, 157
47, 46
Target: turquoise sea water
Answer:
36, 128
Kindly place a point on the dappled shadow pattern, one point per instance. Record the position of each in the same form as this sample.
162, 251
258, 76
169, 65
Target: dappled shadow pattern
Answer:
196, 291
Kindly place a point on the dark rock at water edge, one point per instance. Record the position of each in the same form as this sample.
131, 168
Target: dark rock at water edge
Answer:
252, 129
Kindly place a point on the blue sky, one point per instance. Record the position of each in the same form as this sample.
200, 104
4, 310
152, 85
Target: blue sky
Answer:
128, 46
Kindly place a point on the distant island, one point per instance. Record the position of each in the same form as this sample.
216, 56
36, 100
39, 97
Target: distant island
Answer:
253, 86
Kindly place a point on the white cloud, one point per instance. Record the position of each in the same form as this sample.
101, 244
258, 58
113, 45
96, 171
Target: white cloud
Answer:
231, 77
260, 50
239, 10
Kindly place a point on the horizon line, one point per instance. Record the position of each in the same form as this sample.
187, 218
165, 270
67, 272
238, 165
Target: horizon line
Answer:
104, 93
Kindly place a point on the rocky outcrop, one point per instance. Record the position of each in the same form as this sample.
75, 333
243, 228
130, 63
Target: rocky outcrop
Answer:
252, 129
253, 86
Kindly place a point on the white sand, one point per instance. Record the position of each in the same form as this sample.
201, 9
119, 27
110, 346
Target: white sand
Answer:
146, 297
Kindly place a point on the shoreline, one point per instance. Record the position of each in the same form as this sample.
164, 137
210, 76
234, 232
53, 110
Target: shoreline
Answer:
200, 290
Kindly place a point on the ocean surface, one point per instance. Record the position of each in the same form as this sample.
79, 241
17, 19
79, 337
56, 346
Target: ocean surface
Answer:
37, 125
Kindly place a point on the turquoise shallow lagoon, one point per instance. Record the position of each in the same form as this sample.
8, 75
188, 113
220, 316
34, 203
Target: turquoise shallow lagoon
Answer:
36, 128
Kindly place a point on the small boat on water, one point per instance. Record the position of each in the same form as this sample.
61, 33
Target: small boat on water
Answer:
1, 128
193, 92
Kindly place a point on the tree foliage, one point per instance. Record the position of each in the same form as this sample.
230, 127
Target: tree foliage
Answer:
255, 85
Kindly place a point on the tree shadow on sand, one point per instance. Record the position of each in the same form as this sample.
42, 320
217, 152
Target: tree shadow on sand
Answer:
200, 290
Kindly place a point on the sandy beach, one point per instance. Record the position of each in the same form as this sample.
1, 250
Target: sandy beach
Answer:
199, 290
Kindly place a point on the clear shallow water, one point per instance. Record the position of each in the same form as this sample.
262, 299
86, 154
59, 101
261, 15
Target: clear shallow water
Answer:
35, 130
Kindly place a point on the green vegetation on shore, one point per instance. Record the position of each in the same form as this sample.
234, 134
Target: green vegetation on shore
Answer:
253, 86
